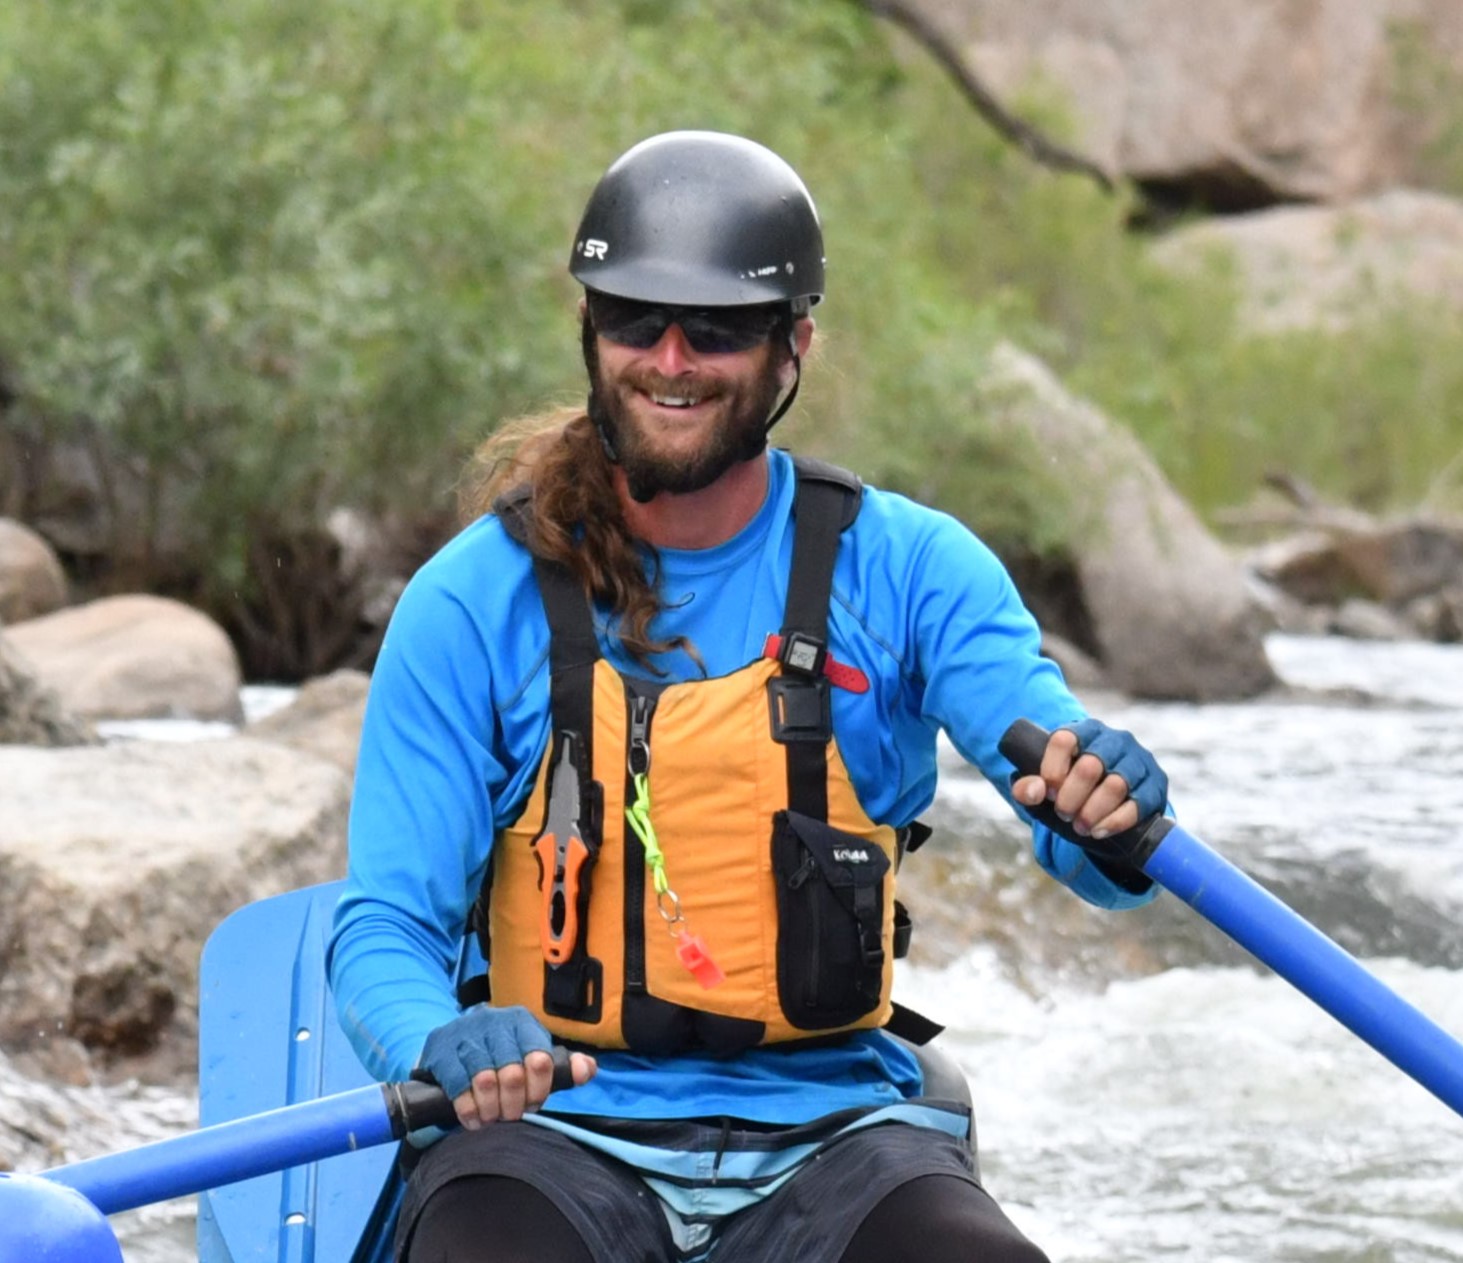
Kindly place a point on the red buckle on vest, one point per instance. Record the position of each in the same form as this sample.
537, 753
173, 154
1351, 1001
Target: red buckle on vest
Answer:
839, 674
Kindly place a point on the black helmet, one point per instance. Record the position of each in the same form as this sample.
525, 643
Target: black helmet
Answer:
701, 219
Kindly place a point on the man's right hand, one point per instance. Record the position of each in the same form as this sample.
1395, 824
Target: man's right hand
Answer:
495, 1064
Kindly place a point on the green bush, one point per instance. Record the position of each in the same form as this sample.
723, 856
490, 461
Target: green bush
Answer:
291, 257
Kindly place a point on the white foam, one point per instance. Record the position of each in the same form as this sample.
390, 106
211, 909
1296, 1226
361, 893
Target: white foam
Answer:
1203, 1115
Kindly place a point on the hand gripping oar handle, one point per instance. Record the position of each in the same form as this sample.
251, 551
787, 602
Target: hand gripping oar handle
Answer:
1276, 935
263, 1143
1024, 744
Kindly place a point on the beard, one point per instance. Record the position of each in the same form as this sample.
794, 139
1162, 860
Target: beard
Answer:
738, 434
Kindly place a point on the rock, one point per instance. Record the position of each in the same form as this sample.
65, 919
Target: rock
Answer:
135, 657
1400, 560
1170, 610
1289, 615
1368, 620
1307, 567
82, 489
30, 713
1331, 266
116, 862
1081, 670
1235, 103
324, 719
1438, 616
1368, 578
32, 582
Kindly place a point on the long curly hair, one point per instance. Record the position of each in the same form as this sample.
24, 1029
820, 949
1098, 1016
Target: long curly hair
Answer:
574, 516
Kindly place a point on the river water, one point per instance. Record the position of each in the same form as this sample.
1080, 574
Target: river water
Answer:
1143, 1090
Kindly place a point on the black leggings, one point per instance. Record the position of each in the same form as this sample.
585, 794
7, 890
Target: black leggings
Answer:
494, 1219
939, 1219
932, 1219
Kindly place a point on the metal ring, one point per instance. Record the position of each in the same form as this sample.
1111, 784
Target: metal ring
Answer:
671, 919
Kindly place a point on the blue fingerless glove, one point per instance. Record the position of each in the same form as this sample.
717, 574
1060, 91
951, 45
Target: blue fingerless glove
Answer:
481, 1038
1121, 754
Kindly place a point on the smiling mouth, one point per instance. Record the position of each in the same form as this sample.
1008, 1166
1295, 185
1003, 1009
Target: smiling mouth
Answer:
690, 405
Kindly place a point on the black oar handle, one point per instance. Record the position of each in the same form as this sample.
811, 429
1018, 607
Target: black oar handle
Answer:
1023, 744
418, 1103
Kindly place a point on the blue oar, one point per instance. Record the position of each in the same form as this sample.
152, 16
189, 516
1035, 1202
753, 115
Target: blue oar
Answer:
42, 1221
239, 1150
60, 1216
1279, 937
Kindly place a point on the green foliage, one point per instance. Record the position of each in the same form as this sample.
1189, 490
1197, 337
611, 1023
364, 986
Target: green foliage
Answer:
298, 256
1428, 90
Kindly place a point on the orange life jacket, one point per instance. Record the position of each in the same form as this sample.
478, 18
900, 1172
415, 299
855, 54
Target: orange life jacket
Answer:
746, 898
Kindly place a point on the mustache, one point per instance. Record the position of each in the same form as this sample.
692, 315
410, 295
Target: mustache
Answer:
650, 382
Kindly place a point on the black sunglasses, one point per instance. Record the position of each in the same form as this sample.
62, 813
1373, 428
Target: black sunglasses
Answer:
709, 330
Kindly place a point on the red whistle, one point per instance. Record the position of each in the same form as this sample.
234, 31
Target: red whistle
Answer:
691, 948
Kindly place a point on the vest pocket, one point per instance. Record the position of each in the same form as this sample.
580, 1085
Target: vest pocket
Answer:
830, 922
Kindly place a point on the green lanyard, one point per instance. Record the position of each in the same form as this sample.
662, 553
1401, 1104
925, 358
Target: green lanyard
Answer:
690, 948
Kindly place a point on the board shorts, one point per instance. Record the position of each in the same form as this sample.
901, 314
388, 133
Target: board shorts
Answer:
692, 1190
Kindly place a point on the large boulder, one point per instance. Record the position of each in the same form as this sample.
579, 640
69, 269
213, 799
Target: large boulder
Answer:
1328, 266
117, 861
324, 718
135, 657
1168, 609
31, 579
1238, 103
30, 713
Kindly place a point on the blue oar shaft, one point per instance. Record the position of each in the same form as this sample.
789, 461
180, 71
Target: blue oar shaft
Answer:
1313, 963
229, 1152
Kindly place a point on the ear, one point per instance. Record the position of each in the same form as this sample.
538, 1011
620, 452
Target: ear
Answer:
802, 334
802, 339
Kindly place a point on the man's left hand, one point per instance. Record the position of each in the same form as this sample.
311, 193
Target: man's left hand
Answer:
1098, 778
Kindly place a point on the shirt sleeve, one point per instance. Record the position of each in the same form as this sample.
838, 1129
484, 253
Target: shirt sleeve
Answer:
433, 760
978, 651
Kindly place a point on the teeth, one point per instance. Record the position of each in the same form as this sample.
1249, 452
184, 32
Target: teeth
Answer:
674, 401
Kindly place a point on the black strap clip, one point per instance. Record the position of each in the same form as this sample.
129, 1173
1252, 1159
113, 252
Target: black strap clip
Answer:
801, 708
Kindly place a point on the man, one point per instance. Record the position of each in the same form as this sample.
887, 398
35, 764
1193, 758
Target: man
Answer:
657, 725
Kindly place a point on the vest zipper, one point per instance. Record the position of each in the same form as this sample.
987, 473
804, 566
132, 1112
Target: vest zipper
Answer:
797, 881
637, 763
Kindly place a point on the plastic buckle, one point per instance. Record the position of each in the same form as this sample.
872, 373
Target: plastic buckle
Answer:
871, 950
803, 653
800, 708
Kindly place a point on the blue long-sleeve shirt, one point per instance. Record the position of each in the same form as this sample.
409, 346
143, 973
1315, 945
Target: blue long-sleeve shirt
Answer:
458, 719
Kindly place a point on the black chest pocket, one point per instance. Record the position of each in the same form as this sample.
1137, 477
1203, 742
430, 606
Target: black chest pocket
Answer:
830, 922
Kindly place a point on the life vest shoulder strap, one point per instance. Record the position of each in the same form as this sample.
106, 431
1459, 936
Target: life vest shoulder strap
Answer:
825, 503
573, 647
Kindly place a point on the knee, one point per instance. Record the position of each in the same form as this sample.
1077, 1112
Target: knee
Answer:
940, 1219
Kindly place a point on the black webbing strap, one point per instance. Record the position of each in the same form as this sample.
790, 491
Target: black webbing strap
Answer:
825, 503
911, 1026
571, 989
573, 649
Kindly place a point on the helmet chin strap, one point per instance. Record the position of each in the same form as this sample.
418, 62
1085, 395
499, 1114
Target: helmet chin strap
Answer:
797, 379
592, 406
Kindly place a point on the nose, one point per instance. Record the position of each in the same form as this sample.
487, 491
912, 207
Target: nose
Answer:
673, 355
